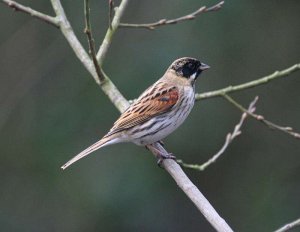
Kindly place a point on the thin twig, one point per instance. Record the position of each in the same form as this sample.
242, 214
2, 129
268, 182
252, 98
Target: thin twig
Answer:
110, 12
251, 84
119, 11
163, 22
289, 226
44, 17
260, 118
91, 41
72, 39
229, 138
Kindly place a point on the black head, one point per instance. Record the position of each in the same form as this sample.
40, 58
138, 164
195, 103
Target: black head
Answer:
188, 67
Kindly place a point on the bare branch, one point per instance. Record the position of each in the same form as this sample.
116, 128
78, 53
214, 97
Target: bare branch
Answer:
229, 138
91, 42
289, 226
251, 84
260, 118
44, 17
163, 22
191, 191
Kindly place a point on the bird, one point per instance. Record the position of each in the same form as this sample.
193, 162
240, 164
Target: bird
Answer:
159, 110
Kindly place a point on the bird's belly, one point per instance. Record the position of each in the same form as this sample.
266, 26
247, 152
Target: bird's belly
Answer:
161, 126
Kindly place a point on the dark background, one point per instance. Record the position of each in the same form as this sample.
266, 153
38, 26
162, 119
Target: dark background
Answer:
51, 109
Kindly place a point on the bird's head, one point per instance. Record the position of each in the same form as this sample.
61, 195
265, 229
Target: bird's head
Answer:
189, 68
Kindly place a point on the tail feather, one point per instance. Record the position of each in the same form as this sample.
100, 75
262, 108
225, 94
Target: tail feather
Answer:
101, 143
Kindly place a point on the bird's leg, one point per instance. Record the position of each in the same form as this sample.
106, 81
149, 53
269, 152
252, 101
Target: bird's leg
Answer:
161, 143
160, 155
168, 156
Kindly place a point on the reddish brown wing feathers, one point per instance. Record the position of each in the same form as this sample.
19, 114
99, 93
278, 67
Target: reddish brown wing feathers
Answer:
155, 101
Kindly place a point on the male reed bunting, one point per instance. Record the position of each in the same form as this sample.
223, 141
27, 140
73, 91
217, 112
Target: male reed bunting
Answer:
160, 110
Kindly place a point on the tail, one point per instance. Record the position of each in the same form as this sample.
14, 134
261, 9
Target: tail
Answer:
101, 143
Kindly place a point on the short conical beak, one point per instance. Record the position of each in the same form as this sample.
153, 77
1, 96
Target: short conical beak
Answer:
204, 66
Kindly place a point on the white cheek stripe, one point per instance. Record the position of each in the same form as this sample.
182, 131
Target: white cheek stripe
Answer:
194, 75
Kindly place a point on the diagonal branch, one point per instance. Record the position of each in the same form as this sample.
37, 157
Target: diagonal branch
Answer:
44, 17
191, 190
289, 226
163, 22
251, 84
229, 139
260, 118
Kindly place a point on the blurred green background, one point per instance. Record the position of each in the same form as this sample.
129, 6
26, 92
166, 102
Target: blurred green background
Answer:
51, 109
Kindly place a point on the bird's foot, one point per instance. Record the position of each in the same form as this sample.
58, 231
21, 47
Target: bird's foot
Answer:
162, 157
